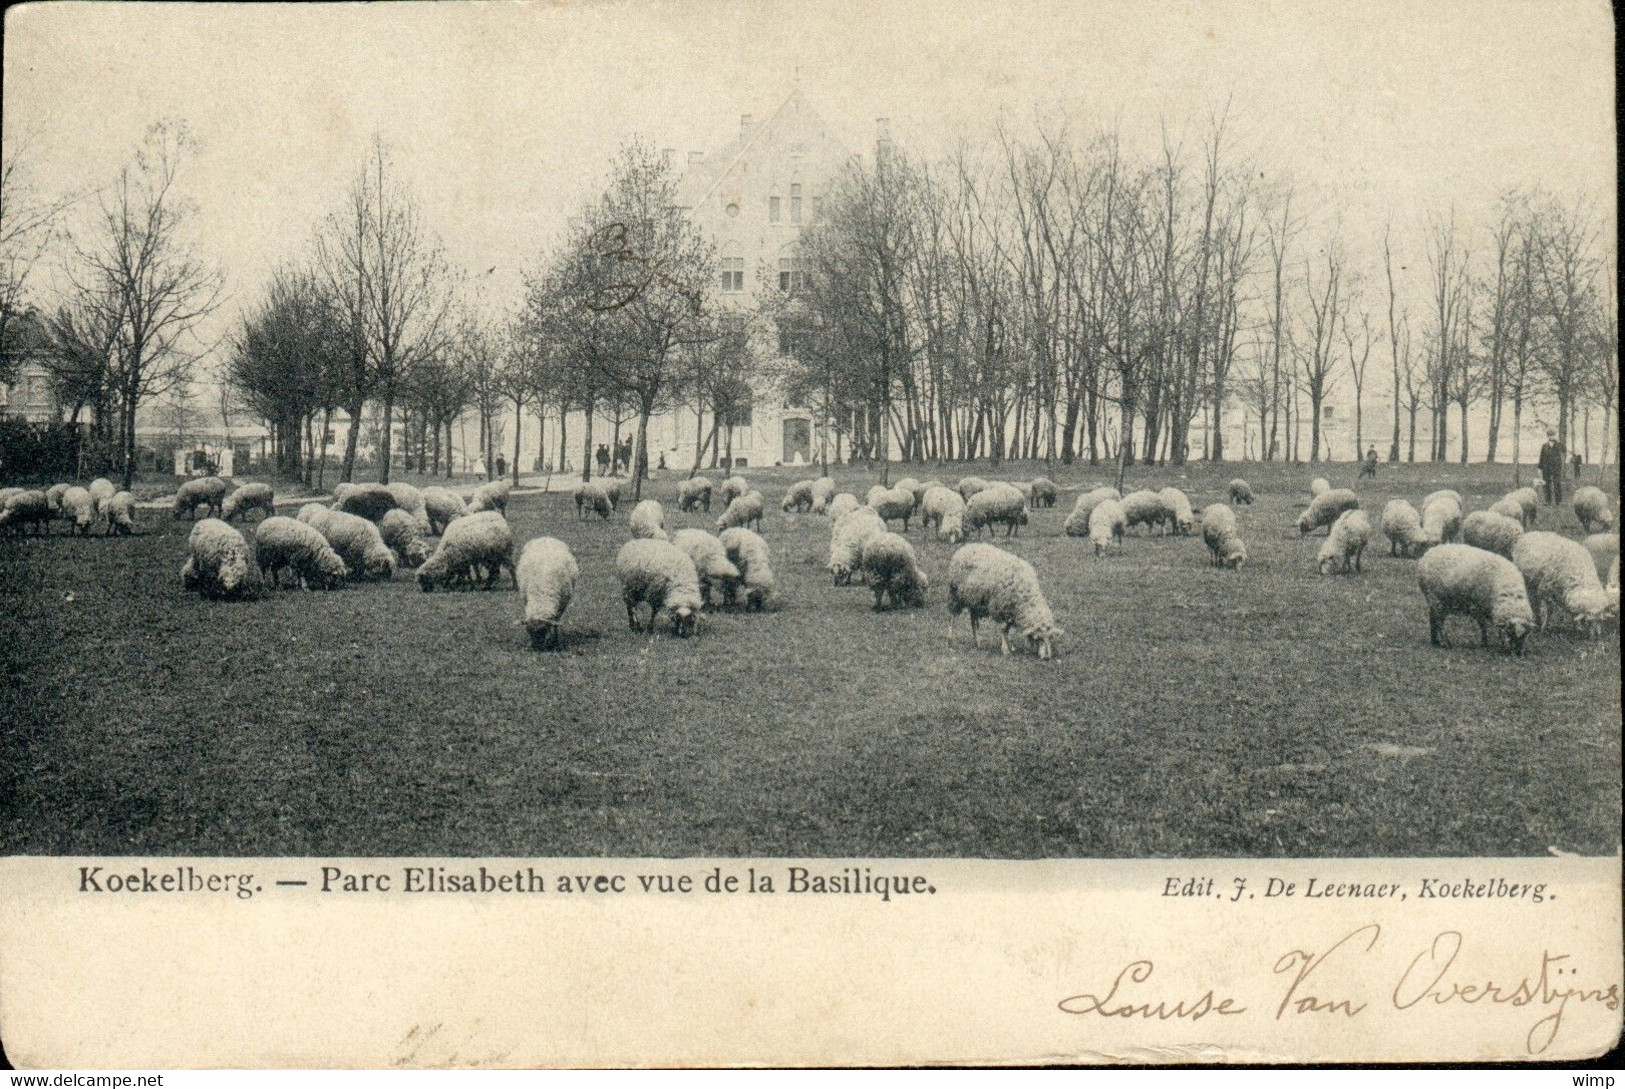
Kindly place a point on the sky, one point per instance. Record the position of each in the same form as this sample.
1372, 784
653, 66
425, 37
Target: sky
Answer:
502, 116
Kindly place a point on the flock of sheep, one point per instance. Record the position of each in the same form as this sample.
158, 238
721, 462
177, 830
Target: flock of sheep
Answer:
1489, 565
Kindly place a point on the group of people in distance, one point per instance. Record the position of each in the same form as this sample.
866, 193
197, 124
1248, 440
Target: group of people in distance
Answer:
1551, 463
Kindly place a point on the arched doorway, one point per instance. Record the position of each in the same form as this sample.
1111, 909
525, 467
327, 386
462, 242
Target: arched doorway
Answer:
797, 441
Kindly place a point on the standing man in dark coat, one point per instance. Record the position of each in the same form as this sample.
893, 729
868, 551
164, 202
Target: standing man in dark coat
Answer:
1551, 468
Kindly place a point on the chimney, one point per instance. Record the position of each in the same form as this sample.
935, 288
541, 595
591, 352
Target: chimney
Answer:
744, 126
695, 158
668, 157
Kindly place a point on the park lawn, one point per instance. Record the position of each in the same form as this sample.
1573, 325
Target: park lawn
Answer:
1192, 712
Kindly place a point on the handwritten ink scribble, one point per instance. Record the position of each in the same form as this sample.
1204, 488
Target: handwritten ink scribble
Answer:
631, 273
1158, 1008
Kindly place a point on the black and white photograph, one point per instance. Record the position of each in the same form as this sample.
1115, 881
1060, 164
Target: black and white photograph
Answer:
874, 435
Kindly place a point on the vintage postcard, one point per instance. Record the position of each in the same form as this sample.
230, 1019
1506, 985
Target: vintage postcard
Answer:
775, 534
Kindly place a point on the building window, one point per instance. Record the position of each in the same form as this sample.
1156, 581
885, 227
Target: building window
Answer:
790, 278
772, 209
1328, 413
795, 204
733, 268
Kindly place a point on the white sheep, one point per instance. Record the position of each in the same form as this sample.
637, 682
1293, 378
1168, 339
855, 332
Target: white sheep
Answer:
79, 510
823, 491
893, 572
1508, 507
846, 540
921, 489
993, 584
101, 490
1558, 571
401, 532
1319, 486
1402, 525
1241, 493
369, 501
660, 574
205, 491
491, 496
1603, 548
218, 562
1441, 519
711, 561
480, 541
443, 506
1107, 524
798, 497
842, 505
742, 511
995, 504
1443, 493
53, 496
612, 486
1591, 507
410, 499
1181, 519
1345, 544
875, 491
731, 489
546, 576
748, 552
355, 539
648, 520
912, 486
591, 497
1144, 508
1491, 532
893, 503
22, 509
1325, 509
1077, 523
1458, 579
944, 509
1528, 499
1044, 492
970, 485
120, 514
694, 492
7, 493
283, 543
1222, 536
249, 497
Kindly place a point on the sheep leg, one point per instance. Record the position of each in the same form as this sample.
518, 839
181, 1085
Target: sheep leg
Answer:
880, 590
1004, 640
975, 634
632, 616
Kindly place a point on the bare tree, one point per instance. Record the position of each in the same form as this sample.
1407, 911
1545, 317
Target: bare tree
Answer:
28, 222
1358, 345
1322, 324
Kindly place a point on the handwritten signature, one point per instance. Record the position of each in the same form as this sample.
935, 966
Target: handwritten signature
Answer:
1430, 978
631, 273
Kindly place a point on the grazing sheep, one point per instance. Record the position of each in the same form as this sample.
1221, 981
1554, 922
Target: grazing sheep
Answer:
1527, 498
660, 574
1345, 544
282, 543
53, 496
218, 564
369, 501
247, 498
731, 489
970, 485
842, 505
846, 540
355, 539
742, 511
400, 531
1491, 532
893, 572
1443, 493
798, 497
1558, 571
120, 512
874, 491
1591, 507
1107, 524
1181, 519
1241, 493
25, 508
748, 552
1441, 519
1604, 547
591, 498
101, 490
893, 503
612, 485
1508, 507
205, 491
1403, 528
493, 496
1458, 579
443, 506
994, 504
694, 492
823, 491
1044, 492
79, 510
7, 493
1077, 523
991, 583
482, 540
944, 509
711, 562
1222, 537
648, 520
1144, 508
912, 487
1318, 486
546, 576
1325, 509
410, 499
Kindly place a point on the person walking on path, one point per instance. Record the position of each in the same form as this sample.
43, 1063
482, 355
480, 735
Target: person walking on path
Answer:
1551, 468
1369, 469
603, 459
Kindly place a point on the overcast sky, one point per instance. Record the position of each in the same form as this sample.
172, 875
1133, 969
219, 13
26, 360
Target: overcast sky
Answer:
502, 115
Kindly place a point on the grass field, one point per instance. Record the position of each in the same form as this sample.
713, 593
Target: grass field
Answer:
1191, 712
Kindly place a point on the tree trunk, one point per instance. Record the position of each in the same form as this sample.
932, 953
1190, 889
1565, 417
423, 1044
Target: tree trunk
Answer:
518, 427
347, 475
640, 458
586, 445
